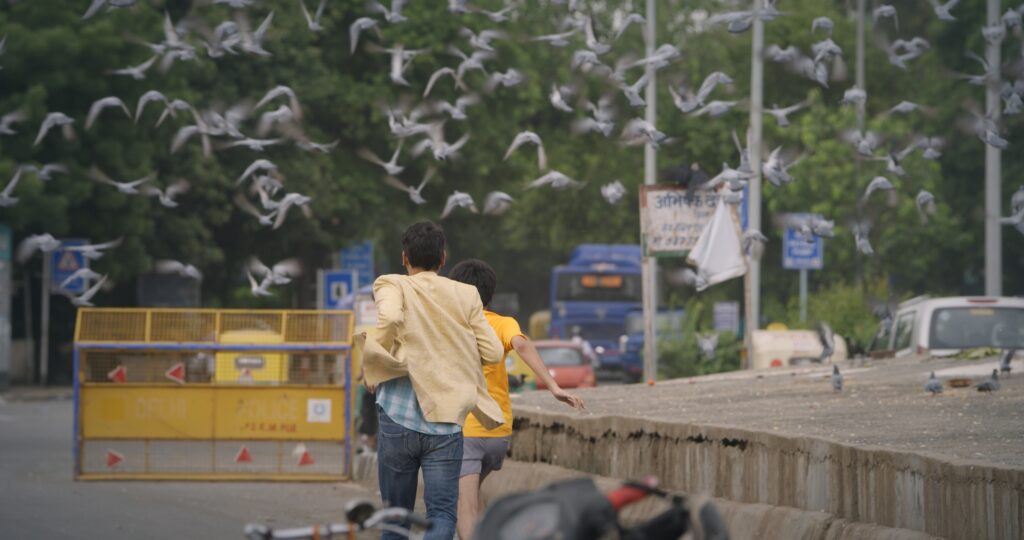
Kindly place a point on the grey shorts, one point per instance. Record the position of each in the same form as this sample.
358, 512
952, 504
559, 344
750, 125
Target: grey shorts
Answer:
482, 455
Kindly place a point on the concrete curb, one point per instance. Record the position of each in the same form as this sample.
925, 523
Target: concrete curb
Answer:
894, 489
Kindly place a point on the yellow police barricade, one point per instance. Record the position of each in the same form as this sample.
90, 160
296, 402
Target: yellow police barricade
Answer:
203, 394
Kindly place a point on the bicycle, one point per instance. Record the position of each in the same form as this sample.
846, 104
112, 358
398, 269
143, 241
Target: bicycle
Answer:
360, 515
567, 510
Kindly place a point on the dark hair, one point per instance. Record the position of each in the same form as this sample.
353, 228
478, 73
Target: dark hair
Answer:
423, 245
478, 274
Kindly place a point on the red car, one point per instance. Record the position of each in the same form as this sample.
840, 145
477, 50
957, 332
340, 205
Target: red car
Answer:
567, 363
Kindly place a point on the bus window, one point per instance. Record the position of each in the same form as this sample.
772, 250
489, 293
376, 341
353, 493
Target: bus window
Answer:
589, 287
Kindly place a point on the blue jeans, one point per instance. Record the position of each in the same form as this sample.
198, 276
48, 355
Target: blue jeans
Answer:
401, 453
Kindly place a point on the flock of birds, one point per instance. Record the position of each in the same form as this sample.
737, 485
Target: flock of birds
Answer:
276, 117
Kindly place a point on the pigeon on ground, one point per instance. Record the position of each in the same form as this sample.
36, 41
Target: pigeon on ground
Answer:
828, 341
1004, 362
991, 384
934, 385
837, 379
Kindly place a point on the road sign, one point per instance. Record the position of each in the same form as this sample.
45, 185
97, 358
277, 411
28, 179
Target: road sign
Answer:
798, 253
65, 263
726, 316
671, 218
359, 257
336, 285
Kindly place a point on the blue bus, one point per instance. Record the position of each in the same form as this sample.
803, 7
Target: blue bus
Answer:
591, 296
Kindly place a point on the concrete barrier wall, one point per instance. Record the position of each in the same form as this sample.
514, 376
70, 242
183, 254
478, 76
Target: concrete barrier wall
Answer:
895, 489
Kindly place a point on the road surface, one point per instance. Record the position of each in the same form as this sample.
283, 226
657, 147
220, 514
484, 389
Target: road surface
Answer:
39, 499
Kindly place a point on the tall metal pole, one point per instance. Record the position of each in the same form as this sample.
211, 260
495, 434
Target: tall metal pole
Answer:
993, 169
649, 265
803, 295
753, 279
44, 320
860, 69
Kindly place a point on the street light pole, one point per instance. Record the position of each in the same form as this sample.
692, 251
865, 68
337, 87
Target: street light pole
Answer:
649, 265
753, 278
993, 168
860, 69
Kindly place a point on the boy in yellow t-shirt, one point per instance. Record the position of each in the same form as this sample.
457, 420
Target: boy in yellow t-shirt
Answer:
484, 450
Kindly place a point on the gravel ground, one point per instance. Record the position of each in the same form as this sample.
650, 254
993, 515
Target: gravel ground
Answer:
882, 404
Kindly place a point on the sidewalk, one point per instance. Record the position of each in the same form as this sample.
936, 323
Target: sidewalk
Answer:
35, 393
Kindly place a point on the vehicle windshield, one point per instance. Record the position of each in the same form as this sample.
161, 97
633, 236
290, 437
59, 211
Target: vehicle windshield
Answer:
561, 356
972, 327
666, 322
596, 287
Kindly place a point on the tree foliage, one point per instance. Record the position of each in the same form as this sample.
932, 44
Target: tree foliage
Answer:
54, 61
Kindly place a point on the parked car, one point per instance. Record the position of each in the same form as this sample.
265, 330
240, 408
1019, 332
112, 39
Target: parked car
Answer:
567, 363
946, 326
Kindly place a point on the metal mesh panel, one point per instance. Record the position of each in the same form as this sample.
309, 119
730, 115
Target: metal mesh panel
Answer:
226, 367
146, 366
317, 327
316, 368
263, 321
188, 326
111, 325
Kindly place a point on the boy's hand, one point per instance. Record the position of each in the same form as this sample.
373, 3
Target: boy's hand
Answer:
568, 398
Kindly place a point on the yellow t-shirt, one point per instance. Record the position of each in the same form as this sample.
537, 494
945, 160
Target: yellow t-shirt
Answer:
497, 380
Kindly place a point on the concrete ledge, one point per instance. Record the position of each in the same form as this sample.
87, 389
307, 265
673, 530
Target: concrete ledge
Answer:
954, 499
744, 520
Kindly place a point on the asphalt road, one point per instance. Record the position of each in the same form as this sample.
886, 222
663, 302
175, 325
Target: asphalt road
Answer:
39, 498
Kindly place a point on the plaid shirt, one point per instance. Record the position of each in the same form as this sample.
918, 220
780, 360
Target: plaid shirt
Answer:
398, 399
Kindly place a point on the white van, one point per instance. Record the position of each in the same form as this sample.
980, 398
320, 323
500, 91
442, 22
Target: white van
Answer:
946, 326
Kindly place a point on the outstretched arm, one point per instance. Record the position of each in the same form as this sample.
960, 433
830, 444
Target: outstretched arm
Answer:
532, 358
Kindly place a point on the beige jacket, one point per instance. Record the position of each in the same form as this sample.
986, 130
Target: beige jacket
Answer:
432, 329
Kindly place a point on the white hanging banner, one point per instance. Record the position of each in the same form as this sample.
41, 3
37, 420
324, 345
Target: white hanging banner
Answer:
717, 254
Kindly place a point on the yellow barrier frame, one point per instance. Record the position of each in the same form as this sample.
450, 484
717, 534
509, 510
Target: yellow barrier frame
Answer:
213, 412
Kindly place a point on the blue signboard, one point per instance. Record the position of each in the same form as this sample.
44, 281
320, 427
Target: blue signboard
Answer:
745, 208
360, 258
64, 263
337, 285
799, 254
